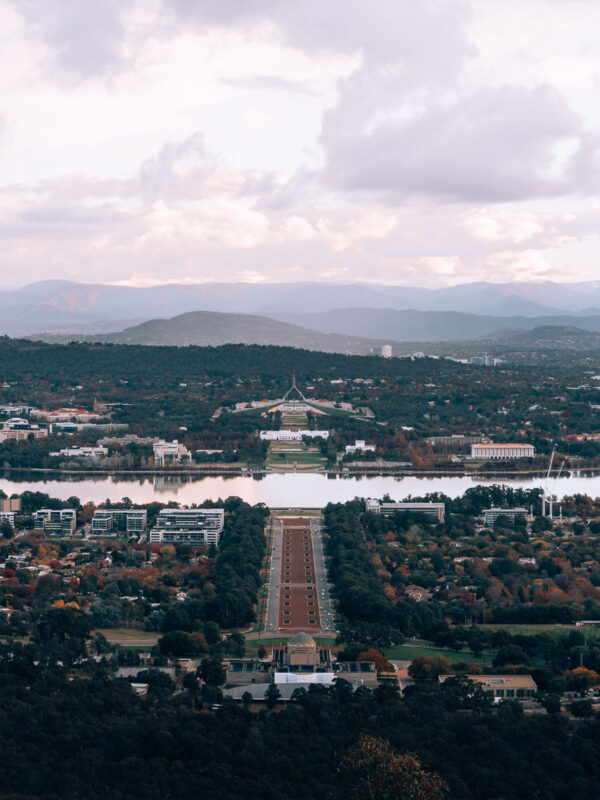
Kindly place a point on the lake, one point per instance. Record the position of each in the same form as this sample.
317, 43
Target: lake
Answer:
280, 490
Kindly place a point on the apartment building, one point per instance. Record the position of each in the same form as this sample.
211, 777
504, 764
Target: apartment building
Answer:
110, 521
437, 510
61, 521
8, 516
490, 515
198, 527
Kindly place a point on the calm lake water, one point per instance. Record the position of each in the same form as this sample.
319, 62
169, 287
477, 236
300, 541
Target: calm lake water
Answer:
302, 490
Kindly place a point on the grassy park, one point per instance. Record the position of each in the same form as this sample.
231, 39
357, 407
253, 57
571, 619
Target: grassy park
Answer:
130, 637
532, 630
405, 652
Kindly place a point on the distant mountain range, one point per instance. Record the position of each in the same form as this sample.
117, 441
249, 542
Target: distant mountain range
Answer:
65, 305
355, 313
213, 328
429, 326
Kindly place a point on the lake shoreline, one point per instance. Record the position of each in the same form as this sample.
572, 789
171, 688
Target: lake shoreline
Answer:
276, 490
253, 472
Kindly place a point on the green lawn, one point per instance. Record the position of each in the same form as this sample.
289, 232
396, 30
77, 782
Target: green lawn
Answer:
129, 637
404, 652
530, 630
303, 460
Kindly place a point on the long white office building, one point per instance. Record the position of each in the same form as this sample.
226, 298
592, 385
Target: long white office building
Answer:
502, 451
436, 510
291, 436
81, 452
109, 521
199, 527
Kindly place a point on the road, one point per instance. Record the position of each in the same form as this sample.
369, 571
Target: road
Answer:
298, 592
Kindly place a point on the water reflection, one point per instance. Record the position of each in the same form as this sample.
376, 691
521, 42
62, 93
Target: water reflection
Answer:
295, 489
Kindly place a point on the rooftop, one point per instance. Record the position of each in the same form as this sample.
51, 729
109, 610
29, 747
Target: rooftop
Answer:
301, 638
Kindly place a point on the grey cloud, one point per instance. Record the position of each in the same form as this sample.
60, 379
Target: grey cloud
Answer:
72, 214
176, 171
425, 38
495, 145
85, 35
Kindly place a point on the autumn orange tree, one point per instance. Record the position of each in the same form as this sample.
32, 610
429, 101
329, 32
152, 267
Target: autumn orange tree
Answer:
372, 770
381, 662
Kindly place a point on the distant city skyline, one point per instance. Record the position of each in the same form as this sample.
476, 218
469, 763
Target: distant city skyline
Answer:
418, 144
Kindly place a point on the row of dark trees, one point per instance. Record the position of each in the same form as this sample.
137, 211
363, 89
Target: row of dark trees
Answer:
237, 568
72, 735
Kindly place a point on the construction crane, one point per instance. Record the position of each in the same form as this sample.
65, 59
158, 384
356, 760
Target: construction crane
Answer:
548, 495
545, 488
560, 469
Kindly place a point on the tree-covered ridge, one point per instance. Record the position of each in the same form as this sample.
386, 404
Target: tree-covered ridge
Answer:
89, 737
179, 393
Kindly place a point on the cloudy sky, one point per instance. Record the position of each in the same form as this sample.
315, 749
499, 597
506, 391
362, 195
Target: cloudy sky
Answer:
423, 143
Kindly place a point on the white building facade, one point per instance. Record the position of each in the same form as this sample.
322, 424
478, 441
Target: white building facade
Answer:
360, 446
61, 521
109, 521
81, 452
291, 436
170, 453
436, 510
502, 451
490, 515
198, 527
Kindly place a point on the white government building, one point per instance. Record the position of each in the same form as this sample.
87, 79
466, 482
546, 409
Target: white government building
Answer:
291, 436
170, 453
360, 446
502, 451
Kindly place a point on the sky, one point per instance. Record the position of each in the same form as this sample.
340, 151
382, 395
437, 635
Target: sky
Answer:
423, 143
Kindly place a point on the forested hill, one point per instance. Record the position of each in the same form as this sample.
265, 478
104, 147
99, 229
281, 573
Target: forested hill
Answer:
21, 358
211, 328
